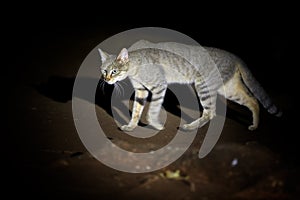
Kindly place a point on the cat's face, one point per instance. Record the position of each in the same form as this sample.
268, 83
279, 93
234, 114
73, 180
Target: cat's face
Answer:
114, 68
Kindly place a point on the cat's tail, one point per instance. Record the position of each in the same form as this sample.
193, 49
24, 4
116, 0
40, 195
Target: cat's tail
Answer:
256, 89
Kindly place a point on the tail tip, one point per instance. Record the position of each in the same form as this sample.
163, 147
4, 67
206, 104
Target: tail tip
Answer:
279, 114
275, 111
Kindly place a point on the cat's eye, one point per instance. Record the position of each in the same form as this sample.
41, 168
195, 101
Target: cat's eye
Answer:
104, 72
113, 71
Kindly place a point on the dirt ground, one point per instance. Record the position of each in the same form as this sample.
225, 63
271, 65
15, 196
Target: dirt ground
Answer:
47, 160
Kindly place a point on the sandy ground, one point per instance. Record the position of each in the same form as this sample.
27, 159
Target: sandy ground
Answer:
47, 160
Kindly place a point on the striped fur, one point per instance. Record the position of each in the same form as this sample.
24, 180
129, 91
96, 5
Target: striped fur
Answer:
152, 66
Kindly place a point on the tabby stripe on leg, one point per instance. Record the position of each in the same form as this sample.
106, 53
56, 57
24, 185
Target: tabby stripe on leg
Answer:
205, 92
141, 101
204, 97
160, 91
206, 107
157, 98
153, 88
157, 87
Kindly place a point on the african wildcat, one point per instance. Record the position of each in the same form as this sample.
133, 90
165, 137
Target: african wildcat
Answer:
152, 66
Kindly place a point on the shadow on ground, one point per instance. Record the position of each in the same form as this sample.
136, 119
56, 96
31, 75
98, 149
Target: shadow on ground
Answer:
60, 89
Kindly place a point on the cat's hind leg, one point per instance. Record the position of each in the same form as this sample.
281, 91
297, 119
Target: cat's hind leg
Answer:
208, 99
237, 92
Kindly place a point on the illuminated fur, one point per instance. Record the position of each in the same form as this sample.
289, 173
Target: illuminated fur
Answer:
152, 66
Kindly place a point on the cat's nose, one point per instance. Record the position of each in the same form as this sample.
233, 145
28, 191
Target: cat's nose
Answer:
107, 78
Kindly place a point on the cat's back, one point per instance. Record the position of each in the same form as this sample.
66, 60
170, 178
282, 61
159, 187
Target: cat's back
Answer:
195, 55
188, 52
222, 57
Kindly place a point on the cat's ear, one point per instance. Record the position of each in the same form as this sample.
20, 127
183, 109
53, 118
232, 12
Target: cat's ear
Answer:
103, 55
123, 56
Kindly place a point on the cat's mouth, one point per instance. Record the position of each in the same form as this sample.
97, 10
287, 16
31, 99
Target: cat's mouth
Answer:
110, 82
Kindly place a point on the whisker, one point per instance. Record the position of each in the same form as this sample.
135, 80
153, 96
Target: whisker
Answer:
122, 91
124, 82
102, 86
116, 87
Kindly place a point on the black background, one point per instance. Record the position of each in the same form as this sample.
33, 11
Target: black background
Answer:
253, 31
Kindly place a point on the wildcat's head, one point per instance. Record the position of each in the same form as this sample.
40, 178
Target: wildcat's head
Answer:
114, 68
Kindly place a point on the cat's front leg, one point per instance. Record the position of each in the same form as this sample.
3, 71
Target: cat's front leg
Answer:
138, 106
158, 94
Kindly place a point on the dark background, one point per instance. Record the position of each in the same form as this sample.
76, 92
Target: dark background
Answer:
34, 38
264, 31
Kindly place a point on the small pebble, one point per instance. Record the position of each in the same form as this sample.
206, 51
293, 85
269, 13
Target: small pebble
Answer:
234, 162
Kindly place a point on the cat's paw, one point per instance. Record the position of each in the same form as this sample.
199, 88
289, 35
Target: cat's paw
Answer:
127, 127
252, 127
158, 126
189, 127
155, 124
